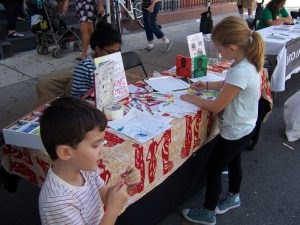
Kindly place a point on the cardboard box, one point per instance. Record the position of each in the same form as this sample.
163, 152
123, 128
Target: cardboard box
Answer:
23, 135
191, 67
25, 132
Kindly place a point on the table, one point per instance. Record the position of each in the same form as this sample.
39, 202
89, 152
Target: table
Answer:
171, 165
156, 159
283, 42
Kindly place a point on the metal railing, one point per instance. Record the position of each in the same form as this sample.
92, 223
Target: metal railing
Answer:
174, 5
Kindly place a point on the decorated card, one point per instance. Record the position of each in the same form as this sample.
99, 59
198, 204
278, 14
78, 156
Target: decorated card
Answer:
104, 85
110, 80
196, 44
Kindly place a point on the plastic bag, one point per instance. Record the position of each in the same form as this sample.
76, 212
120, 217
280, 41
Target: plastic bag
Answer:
291, 117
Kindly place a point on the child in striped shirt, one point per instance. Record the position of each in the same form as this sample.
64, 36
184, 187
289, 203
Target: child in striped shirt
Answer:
72, 132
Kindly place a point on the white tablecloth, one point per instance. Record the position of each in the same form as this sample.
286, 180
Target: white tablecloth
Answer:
276, 38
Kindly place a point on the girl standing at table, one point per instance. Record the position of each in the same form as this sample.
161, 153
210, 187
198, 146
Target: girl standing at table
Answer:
274, 14
236, 105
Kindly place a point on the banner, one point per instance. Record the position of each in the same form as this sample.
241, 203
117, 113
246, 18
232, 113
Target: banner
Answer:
292, 55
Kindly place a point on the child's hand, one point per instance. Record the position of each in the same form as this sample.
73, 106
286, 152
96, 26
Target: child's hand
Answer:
116, 198
131, 176
199, 85
187, 97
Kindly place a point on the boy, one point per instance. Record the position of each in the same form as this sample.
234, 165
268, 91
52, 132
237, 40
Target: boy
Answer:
105, 40
72, 132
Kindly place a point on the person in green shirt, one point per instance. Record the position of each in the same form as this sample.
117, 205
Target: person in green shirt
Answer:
274, 14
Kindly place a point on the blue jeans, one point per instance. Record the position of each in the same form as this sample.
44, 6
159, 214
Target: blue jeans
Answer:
150, 24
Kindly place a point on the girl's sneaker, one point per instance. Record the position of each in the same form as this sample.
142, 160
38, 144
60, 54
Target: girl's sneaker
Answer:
147, 49
227, 202
168, 46
200, 215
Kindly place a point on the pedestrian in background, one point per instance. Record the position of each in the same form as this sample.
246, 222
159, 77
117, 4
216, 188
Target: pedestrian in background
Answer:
248, 4
12, 9
150, 11
274, 14
237, 108
86, 12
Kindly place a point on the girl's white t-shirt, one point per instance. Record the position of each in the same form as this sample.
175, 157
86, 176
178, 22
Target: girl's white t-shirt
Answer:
238, 119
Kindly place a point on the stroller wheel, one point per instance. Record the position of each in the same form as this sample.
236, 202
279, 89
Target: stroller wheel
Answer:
64, 45
57, 52
77, 46
42, 49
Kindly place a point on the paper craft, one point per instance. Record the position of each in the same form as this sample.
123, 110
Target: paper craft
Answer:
191, 66
139, 126
117, 57
208, 95
110, 78
166, 84
180, 107
196, 44
104, 85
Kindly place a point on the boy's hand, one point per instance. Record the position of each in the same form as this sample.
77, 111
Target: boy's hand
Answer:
131, 177
116, 198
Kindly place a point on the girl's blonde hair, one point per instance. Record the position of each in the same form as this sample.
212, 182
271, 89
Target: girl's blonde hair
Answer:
234, 30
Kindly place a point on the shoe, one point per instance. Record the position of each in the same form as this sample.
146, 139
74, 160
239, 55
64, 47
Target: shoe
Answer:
147, 49
168, 46
200, 215
19, 18
227, 202
15, 35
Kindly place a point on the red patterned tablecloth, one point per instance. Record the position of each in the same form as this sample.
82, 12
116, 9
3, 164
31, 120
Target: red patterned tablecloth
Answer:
156, 159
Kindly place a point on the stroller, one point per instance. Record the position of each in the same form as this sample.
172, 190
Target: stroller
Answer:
50, 29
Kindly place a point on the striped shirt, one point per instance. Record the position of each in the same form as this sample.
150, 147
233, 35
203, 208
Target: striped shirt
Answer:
83, 78
62, 203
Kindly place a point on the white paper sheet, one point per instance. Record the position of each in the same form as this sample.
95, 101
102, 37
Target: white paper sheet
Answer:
179, 108
139, 126
166, 84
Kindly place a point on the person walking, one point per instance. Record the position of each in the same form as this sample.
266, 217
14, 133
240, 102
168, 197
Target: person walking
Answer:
12, 10
150, 11
236, 105
248, 4
86, 11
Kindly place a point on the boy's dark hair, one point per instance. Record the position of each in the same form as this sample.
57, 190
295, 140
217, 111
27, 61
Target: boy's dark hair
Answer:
66, 122
104, 36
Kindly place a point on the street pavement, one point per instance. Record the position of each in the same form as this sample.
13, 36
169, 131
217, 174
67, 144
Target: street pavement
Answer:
270, 189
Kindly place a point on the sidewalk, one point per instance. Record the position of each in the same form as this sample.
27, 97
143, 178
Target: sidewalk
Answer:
269, 194
21, 72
